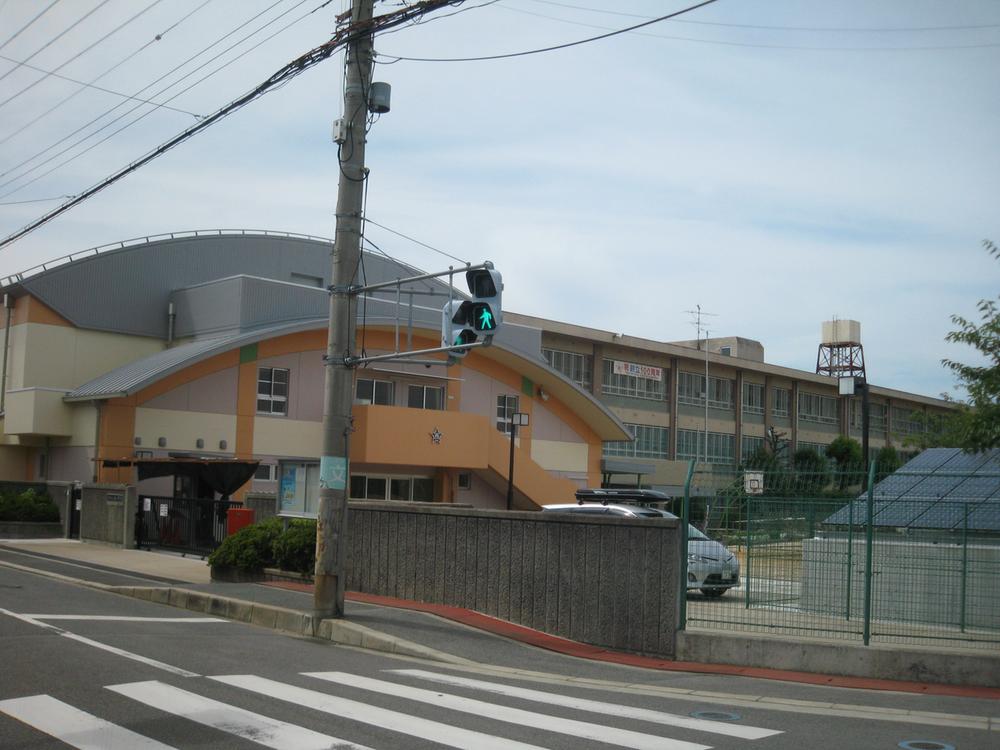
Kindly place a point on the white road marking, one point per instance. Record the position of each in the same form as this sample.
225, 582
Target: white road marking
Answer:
75, 727
592, 706
124, 618
269, 732
102, 646
415, 726
582, 729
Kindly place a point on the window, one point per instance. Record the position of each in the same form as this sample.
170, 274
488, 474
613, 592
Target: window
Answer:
753, 398
402, 488
726, 351
782, 405
651, 386
374, 392
816, 408
577, 367
876, 416
465, 480
691, 387
265, 473
906, 421
506, 407
721, 447
272, 390
425, 397
749, 445
818, 448
650, 442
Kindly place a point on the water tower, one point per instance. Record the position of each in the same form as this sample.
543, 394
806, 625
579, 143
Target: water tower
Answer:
840, 352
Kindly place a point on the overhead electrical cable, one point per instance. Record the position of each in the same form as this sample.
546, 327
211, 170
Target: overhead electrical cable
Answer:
837, 29
724, 43
79, 54
556, 46
158, 37
38, 15
85, 85
296, 67
158, 93
415, 241
59, 36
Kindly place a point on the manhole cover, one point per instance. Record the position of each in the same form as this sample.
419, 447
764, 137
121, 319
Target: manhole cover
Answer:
925, 745
715, 715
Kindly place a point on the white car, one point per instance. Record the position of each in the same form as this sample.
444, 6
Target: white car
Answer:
711, 567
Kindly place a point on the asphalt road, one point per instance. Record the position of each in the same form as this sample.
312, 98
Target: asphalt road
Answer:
103, 671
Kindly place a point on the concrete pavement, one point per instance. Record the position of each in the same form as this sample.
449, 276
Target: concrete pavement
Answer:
453, 635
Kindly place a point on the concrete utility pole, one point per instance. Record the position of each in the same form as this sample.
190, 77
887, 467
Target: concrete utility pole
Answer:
331, 527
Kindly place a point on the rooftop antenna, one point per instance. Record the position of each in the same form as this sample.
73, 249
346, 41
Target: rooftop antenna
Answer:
698, 313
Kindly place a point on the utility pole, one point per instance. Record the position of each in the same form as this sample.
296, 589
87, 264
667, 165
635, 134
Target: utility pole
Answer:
331, 519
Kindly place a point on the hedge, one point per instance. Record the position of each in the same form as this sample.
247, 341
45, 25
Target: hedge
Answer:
28, 506
269, 544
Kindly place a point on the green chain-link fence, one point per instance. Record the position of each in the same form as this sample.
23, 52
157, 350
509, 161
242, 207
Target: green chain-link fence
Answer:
830, 552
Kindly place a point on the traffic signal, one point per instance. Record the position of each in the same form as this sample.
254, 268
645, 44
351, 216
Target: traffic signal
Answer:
485, 312
468, 321
456, 326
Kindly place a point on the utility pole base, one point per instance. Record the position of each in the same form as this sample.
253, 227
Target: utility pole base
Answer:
329, 588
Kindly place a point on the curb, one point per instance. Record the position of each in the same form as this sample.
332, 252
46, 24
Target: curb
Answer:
285, 620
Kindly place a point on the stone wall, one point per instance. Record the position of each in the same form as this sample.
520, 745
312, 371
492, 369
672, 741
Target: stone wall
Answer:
107, 514
609, 582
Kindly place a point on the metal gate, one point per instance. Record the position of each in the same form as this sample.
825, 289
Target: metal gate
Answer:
196, 525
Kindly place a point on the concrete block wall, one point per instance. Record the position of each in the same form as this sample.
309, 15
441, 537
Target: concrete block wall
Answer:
107, 514
608, 582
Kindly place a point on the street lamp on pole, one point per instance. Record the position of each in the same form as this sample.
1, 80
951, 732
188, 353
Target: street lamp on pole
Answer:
517, 419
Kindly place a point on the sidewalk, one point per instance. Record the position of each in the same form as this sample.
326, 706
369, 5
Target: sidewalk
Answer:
429, 631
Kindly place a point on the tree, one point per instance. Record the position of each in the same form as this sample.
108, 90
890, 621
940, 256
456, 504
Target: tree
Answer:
846, 451
976, 423
886, 462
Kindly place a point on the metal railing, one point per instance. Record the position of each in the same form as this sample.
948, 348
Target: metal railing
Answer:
186, 524
837, 553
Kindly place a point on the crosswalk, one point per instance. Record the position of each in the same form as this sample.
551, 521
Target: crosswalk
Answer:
369, 705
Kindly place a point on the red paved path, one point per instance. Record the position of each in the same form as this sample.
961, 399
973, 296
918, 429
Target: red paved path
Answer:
585, 651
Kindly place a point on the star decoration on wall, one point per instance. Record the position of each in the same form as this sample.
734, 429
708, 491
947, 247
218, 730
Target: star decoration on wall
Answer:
436, 436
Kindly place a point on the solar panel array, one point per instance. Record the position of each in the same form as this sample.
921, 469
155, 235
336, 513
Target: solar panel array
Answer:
942, 488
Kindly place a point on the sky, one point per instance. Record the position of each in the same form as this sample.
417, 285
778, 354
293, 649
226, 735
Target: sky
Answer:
778, 164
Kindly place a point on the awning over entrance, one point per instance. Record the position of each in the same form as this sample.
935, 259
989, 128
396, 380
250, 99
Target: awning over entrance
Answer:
223, 475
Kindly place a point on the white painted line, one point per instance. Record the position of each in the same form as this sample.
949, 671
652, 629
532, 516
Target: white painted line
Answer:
129, 655
414, 726
74, 727
269, 732
102, 646
580, 729
124, 618
598, 707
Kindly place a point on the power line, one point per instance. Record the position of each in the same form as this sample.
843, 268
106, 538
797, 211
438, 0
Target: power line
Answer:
147, 113
415, 241
83, 84
37, 200
60, 35
154, 40
296, 67
558, 46
38, 15
725, 43
79, 54
845, 29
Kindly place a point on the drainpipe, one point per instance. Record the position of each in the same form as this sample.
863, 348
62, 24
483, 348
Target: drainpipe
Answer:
97, 441
8, 303
171, 320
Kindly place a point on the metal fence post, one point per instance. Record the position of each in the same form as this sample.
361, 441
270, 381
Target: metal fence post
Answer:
685, 519
869, 542
850, 556
746, 573
965, 564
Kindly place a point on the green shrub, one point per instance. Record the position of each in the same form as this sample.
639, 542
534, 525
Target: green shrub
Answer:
28, 506
251, 548
295, 547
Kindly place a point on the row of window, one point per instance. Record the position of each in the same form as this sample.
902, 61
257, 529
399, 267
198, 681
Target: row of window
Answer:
272, 392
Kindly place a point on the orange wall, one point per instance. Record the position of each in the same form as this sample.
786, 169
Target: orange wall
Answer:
28, 309
403, 437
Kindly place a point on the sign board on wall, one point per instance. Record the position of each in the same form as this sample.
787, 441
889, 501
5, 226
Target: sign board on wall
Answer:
637, 371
